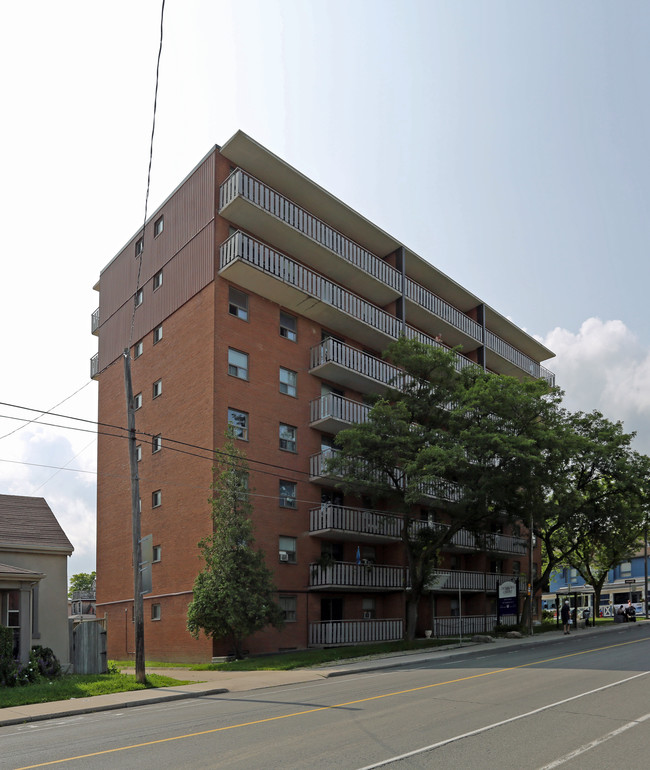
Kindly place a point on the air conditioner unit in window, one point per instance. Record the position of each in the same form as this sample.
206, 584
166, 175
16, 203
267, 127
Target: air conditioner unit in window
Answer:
367, 614
284, 556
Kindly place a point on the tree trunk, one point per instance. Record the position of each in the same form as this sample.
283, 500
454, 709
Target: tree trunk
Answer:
411, 616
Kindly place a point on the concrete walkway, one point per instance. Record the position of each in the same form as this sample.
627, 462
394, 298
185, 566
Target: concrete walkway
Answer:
215, 682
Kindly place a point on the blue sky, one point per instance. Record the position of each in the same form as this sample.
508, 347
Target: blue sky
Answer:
505, 142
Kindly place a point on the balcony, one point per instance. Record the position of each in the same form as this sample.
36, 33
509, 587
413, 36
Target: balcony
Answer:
350, 576
94, 322
337, 632
354, 524
94, 366
254, 206
453, 580
464, 541
331, 413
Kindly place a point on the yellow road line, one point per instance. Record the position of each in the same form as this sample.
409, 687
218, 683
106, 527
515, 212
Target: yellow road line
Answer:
335, 706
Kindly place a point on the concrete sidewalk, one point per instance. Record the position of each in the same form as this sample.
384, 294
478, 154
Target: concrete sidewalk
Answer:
218, 682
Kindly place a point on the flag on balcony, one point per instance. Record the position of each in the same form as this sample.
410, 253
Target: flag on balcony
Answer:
358, 555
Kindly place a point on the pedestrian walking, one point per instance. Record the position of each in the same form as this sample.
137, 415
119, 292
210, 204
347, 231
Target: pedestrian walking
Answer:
565, 613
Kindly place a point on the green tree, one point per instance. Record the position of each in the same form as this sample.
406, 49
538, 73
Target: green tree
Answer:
82, 581
464, 441
234, 592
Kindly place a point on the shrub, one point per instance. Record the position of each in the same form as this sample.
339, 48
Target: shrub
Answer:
45, 662
7, 662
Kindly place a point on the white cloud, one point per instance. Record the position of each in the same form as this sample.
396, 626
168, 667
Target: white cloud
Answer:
604, 366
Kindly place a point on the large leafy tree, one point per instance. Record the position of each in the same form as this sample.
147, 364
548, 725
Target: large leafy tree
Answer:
463, 441
234, 592
82, 581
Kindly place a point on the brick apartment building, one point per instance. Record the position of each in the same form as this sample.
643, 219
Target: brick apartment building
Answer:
264, 302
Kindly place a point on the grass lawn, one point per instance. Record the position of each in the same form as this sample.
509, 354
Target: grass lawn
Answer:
78, 686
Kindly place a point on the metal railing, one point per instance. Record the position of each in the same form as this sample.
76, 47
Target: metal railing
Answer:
355, 360
240, 183
469, 624
450, 579
94, 366
338, 408
360, 520
94, 321
353, 575
489, 542
355, 631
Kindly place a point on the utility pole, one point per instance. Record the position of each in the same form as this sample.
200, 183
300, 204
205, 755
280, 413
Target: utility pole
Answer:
138, 613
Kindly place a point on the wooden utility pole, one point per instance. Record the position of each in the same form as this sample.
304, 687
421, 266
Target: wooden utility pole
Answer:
138, 613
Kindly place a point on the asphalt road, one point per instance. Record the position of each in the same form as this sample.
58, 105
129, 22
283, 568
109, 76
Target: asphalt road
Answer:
577, 703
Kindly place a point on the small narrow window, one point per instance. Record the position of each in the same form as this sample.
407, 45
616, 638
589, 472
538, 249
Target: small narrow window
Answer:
288, 326
139, 247
157, 280
156, 499
238, 364
238, 423
288, 382
137, 401
139, 297
157, 388
287, 494
158, 227
287, 549
156, 443
237, 303
369, 608
155, 612
138, 452
289, 606
157, 552
157, 334
288, 435
137, 349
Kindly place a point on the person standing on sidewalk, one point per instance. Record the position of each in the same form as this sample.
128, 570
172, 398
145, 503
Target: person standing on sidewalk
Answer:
565, 614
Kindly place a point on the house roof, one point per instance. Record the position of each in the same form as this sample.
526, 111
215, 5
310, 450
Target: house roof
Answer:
8, 571
27, 523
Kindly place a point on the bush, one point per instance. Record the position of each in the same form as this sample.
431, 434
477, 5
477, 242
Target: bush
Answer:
42, 663
7, 662
45, 662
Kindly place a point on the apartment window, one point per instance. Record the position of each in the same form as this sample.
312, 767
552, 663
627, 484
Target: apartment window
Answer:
157, 280
158, 226
288, 326
238, 364
138, 452
139, 297
157, 552
626, 568
369, 608
156, 499
288, 434
287, 549
156, 443
289, 607
139, 247
287, 494
157, 334
288, 382
516, 567
155, 612
237, 303
138, 349
238, 423
157, 388
137, 401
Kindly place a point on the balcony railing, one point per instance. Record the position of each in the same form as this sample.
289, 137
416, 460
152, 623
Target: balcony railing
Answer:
357, 520
490, 542
438, 489
355, 631
338, 409
452, 580
342, 574
355, 360
94, 366
469, 624
94, 321
240, 183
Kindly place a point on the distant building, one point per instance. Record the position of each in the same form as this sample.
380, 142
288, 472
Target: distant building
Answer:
256, 299
81, 605
624, 582
34, 576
